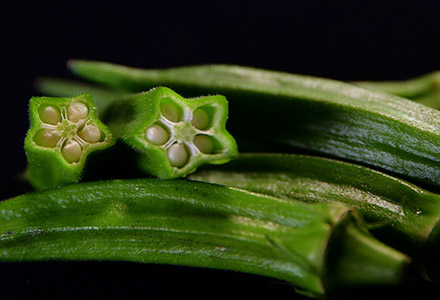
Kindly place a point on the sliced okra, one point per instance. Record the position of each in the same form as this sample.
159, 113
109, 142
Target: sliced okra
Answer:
63, 132
176, 135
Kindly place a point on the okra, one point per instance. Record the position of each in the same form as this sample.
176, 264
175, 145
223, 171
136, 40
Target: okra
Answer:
405, 215
423, 89
63, 132
275, 110
173, 135
320, 249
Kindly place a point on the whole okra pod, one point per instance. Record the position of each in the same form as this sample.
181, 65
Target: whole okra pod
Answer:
273, 110
406, 216
320, 249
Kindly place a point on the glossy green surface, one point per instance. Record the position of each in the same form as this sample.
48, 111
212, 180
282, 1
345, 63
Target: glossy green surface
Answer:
46, 165
405, 214
423, 89
197, 224
294, 112
131, 117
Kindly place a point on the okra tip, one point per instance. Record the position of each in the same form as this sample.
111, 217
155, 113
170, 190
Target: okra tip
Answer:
355, 261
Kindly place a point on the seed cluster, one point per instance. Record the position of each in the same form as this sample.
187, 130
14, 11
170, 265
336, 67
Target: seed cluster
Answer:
182, 132
67, 128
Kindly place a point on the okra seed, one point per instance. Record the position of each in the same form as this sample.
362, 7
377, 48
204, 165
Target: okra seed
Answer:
90, 133
200, 119
77, 111
50, 115
177, 155
170, 111
156, 135
204, 143
47, 138
71, 151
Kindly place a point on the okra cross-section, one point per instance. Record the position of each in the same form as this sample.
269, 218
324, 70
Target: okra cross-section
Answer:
176, 135
63, 132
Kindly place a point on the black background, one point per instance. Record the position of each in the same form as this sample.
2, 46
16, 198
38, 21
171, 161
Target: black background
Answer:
346, 40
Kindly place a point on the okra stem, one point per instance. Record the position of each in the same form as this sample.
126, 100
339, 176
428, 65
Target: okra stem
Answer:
201, 225
405, 214
303, 113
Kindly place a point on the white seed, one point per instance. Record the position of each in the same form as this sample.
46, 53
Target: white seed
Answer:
204, 143
157, 135
71, 151
47, 138
200, 119
50, 115
177, 155
170, 111
77, 111
90, 133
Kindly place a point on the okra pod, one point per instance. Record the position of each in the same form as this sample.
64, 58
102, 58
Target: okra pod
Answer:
173, 135
279, 110
423, 89
63, 132
406, 215
320, 249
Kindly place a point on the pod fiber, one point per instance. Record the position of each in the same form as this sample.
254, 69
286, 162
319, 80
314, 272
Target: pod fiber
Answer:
405, 215
273, 110
320, 249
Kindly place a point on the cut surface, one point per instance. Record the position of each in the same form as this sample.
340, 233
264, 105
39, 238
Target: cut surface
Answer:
47, 138
200, 119
177, 155
170, 110
71, 151
90, 134
157, 135
204, 143
50, 115
77, 111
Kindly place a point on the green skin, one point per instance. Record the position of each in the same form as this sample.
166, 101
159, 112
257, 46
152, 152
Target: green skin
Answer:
320, 249
424, 89
47, 167
405, 215
274, 110
130, 117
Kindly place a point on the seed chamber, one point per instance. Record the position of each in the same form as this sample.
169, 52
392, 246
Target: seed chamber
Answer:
69, 128
182, 133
